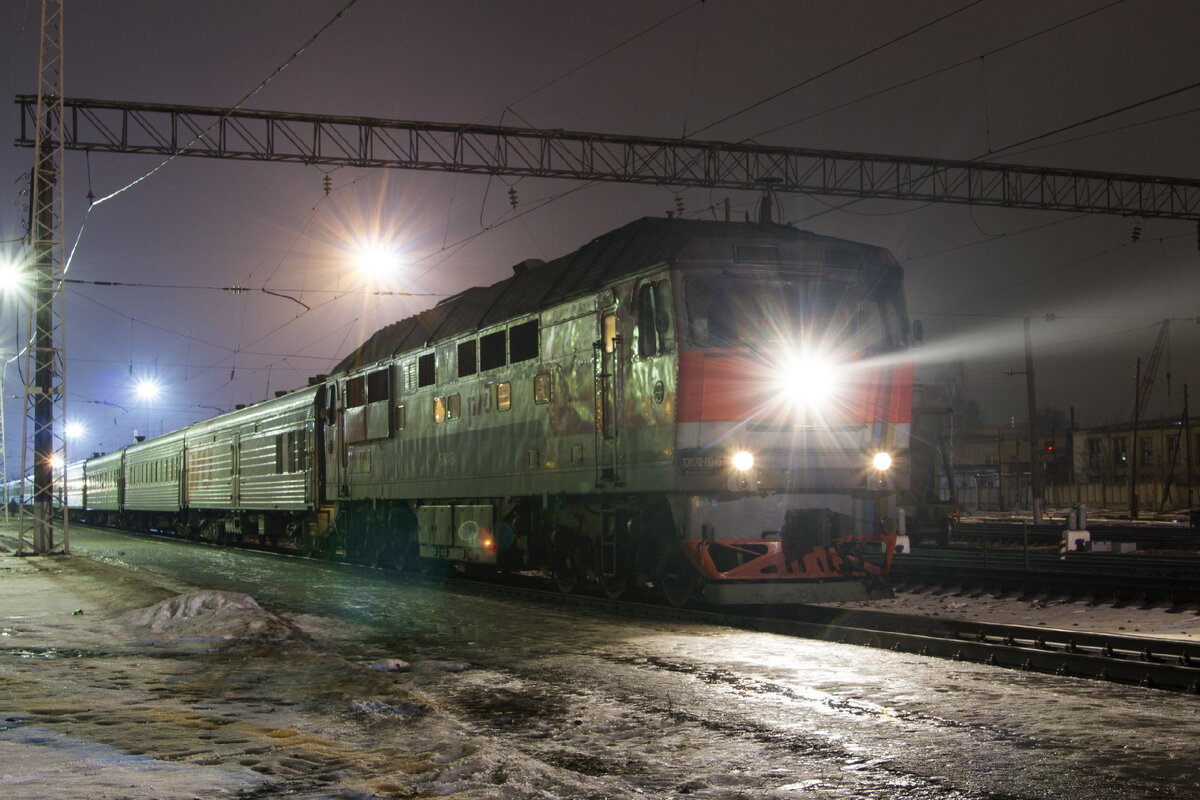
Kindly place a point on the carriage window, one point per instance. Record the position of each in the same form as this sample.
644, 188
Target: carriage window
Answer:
453, 406
466, 359
356, 392
426, 371
504, 396
439, 409
401, 418
491, 351
523, 341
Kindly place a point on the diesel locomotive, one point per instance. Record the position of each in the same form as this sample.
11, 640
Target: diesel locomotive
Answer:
703, 409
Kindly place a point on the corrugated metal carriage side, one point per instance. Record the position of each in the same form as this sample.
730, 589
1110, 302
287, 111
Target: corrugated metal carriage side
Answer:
104, 488
153, 471
251, 471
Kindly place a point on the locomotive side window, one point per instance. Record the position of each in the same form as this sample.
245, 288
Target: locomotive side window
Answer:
356, 392
542, 388
491, 351
378, 387
523, 341
447, 408
653, 320
610, 332
504, 396
426, 371
401, 418
466, 359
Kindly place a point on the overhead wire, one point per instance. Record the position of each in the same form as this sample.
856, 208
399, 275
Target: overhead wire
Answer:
940, 70
604, 54
202, 134
841, 65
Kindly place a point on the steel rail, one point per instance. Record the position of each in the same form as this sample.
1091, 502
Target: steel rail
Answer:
1166, 664
1097, 575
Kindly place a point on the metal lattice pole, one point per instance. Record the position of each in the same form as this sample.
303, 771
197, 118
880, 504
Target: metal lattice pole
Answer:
43, 453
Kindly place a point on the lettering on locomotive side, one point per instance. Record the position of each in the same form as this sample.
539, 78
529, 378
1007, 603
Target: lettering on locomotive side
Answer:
447, 460
480, 403
700, 461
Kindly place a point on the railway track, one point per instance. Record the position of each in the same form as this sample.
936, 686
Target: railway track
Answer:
1145, 661
1098, 576
1146, 536
1135, 660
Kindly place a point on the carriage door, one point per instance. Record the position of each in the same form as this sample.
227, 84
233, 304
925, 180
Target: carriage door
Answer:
334, 444
607, 365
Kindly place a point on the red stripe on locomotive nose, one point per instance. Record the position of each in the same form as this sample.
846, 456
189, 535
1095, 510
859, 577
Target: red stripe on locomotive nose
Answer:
729, 387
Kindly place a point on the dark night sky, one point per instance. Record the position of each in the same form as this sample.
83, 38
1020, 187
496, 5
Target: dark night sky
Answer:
972, 273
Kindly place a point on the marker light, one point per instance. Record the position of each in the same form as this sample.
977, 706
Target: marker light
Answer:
882, 461
743, 461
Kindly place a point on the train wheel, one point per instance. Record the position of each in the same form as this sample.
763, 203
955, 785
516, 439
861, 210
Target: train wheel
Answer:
565, 567
400, 554
615, 587
677, 578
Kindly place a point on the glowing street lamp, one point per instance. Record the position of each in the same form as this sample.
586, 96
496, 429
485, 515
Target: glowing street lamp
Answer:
147, 389
376, 260
12, 277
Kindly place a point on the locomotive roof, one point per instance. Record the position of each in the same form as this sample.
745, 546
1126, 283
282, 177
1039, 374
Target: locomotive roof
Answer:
639, 245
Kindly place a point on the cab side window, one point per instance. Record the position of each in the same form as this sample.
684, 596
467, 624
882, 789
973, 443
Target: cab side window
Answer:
653, 319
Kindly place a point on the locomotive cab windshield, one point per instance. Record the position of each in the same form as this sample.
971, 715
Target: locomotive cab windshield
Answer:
831, 314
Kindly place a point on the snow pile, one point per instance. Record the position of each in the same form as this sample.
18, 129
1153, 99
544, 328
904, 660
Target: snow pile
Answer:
210, 615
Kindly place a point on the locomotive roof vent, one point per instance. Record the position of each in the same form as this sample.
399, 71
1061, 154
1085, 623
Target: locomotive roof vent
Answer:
527, 264
755, 254
317, 380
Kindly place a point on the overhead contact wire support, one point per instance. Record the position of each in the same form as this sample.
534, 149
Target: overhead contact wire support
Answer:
42, 450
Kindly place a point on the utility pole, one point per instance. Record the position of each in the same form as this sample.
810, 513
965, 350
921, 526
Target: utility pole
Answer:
1133, 468
1035, 454
1187, 445
44, 357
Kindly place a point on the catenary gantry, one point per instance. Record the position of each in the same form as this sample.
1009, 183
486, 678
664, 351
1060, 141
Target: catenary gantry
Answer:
167, 130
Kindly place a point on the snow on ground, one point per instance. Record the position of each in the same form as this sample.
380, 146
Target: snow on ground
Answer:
114, 687
1158, 620
117, 684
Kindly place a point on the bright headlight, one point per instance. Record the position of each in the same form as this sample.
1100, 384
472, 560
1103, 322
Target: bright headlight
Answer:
810, 381
882, 461
743, 461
